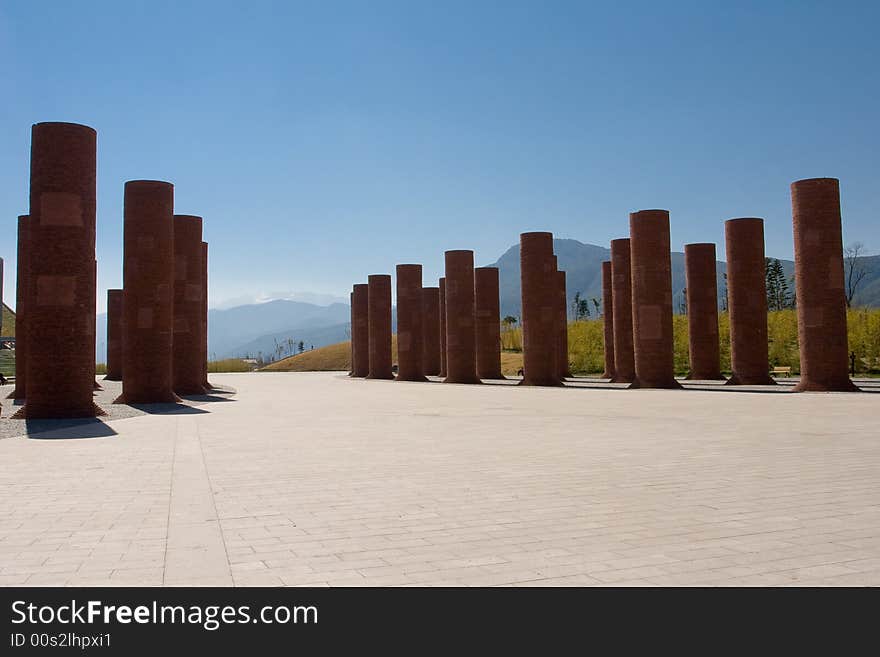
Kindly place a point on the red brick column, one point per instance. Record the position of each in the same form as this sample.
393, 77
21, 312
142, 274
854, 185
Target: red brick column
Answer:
443, 327
187, 352
702, 311
539, 310
61, 324
562, 363
205, 382
608, 320
148, 292
22, 291
488, 322
652, 300
360, 331
819, 280
747, 302
431, 330
114, 335
621, 284
461, 349
379, 332
409, 323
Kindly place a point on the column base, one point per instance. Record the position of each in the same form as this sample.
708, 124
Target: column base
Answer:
705, 376
756, 380
165, 398
24, 414
464, 380
658, 385
546, 383
811, 385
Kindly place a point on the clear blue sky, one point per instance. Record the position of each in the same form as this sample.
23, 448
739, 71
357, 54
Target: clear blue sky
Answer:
325, 141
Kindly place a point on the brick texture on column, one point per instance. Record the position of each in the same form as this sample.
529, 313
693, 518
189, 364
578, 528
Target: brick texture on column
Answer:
488, 322
650, 263
539, 310
60, 375
379, 315
621, 283
461, 353
819, 281
409, 323
704, 348
187, 348
747, 302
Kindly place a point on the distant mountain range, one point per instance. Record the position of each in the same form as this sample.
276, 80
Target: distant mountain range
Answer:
250, 329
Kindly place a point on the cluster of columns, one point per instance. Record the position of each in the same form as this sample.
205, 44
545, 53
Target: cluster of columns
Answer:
637, 298
452, 330
156, 324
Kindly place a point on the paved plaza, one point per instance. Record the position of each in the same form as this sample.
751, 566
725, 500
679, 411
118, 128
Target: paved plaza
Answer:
318, 479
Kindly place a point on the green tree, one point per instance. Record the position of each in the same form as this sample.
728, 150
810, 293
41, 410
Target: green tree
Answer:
778, 291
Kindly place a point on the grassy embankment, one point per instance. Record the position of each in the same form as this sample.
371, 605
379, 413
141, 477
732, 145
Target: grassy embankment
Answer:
586, 346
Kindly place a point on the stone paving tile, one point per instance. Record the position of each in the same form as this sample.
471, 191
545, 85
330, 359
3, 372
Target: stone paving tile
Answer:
364, 483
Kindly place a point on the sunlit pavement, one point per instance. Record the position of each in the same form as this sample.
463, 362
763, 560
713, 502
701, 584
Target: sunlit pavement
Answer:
318, 479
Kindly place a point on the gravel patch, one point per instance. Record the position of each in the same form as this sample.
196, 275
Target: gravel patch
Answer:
82, 427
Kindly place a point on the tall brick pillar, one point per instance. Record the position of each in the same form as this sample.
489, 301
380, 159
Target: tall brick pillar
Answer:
608, 320
539, 310
488, 322
443, 327
461, 348
621, 285
747, 302
819, 280
409, 323
652, 300
61, 324
431, 330
22, 291
114, 335
148, 292
187, 348
205, 382
562, 363
702, 311
360, 331
379, 332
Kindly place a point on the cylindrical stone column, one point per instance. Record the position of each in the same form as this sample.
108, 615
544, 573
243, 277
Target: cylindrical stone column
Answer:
187, 348
149, 292
94, 354
61, 318
608, 320
409, 323
819, 283
379, 332
443, 327
747, 302
114, 335
621, 299
22, 291
487, 314
539, 310
702, 312
360, 332
431, 330
651, 266
461, 336
207, 384
562, 363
